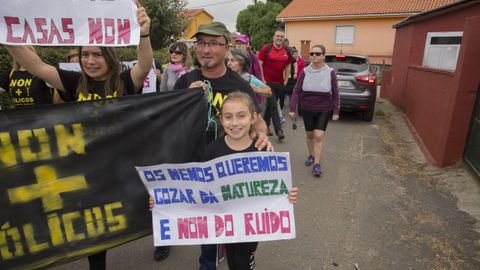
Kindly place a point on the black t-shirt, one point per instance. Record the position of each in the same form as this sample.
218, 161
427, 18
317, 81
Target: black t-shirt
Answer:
25, 89
219, 148
221, 87
71, 79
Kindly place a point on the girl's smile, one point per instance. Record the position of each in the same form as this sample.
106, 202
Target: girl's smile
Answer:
237, 121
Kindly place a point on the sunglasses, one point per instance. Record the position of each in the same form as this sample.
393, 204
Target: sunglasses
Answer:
176, 52
315, 53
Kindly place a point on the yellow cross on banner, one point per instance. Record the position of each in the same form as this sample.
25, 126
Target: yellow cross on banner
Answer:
18, 92
48, 188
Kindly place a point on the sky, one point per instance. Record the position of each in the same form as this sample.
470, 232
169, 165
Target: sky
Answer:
225, 11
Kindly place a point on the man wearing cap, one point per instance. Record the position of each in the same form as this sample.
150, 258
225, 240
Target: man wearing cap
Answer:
211, 49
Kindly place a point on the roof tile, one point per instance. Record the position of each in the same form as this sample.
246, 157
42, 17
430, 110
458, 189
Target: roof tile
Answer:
326, 8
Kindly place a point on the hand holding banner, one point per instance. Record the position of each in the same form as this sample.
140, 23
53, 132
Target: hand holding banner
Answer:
70, 23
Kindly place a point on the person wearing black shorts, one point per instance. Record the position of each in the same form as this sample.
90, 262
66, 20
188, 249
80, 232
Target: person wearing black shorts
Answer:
317, 90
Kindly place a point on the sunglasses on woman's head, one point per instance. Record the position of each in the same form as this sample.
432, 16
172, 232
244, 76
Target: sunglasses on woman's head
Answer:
315, 53
176, 52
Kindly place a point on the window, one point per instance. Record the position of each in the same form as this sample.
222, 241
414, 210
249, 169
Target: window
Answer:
441, 49
345, 63
345, 34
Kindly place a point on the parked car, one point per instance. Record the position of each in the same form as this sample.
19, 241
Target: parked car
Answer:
357, 83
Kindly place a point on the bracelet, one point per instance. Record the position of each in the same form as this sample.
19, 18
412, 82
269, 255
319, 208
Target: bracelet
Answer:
144, 36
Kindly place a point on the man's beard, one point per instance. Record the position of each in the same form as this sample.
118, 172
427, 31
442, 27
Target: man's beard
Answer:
206, 64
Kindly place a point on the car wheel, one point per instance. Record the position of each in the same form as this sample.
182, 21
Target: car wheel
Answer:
368, 115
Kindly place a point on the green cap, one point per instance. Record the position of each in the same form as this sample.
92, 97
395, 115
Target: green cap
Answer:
214, 29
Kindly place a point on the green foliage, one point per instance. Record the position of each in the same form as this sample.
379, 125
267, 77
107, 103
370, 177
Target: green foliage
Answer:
166, 25
284, 3
127, 53
258, 21
5, 60
161, 55
54, 55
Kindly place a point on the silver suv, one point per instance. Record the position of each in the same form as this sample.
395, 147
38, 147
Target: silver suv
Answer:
357, 83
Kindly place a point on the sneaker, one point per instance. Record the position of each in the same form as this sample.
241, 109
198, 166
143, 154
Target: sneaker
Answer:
317, 171
282, 120
280, 135
161, 253
269, 133
310, 160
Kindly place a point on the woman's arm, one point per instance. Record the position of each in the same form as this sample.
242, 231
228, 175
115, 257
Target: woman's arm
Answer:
259, 87
144, 50
265, 91
33, 64
296, 94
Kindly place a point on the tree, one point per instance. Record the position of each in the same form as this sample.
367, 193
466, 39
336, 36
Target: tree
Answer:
258, 21
284, 3
167, 25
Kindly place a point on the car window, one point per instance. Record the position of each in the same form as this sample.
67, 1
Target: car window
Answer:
344, 63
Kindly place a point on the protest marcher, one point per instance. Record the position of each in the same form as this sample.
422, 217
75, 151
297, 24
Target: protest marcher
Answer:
238, 117
239, 61
101, 77
294, 71
293, 65
275, 60
23, 88
157, 66
72, 56
292, 77
300, 61
180, 62
242, 41
317, 90
211, 49
101, 74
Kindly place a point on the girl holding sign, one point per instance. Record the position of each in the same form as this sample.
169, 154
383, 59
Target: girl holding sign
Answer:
101, 77
238, 117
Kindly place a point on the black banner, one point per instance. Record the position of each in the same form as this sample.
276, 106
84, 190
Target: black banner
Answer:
68, 186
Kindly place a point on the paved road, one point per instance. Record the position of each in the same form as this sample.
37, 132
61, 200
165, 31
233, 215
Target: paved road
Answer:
377, 205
